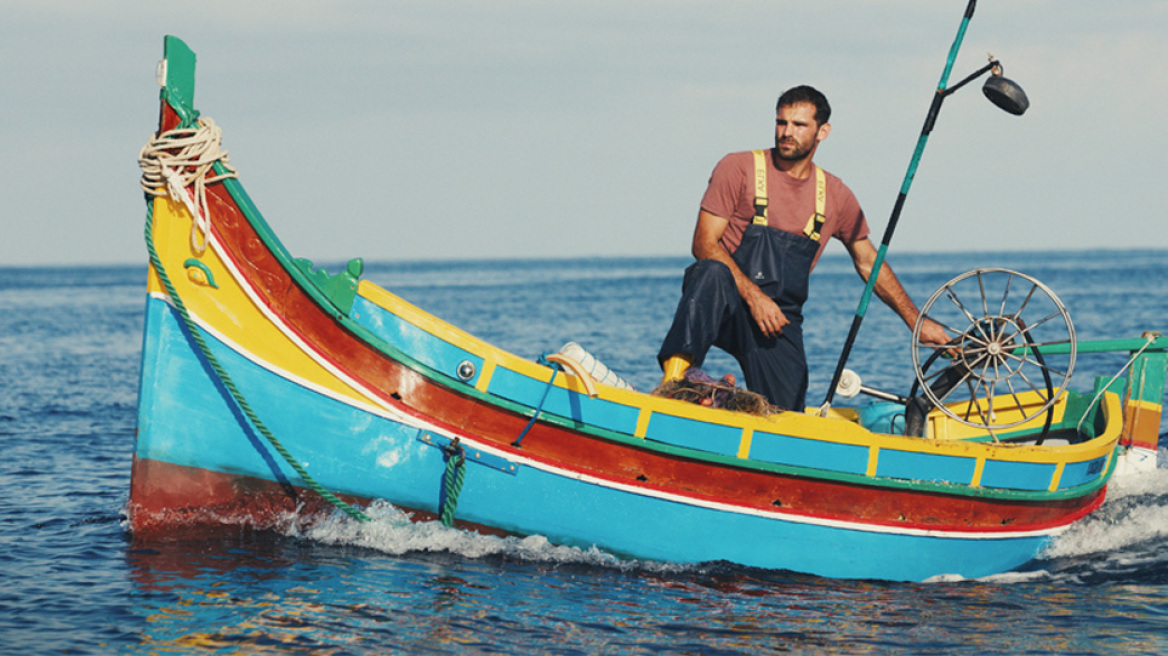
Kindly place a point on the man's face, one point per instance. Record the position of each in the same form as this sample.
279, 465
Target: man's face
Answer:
797, 133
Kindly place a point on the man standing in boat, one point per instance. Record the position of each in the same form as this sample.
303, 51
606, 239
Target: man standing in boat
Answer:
764, 221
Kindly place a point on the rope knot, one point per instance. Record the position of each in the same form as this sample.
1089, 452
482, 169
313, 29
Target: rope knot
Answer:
183, 159
455, 449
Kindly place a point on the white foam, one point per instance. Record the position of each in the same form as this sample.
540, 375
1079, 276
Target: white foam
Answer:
1135, 512
1009, 578
945, 578
391, 531
1152, 481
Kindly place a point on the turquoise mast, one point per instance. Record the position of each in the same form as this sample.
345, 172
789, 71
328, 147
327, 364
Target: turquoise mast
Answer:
930, 120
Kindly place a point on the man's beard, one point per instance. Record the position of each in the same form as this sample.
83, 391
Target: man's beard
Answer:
795, 155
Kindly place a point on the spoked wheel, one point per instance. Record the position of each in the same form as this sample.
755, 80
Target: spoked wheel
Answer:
1001, 371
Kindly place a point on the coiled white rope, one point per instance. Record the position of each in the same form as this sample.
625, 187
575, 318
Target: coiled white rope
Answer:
179, 159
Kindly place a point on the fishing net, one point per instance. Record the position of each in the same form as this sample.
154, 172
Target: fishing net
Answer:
696, 386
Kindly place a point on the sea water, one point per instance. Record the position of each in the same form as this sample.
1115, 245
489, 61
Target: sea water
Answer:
75, 580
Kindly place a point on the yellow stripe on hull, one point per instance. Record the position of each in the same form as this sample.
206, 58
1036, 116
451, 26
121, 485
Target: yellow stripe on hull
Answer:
227, 306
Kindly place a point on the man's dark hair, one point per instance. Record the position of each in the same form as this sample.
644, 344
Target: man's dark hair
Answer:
806, 94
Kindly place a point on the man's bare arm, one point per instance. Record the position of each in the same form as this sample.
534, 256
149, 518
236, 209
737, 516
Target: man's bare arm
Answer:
889, 289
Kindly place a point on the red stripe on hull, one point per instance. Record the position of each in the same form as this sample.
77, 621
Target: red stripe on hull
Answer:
167, 498
806, 497
168, 501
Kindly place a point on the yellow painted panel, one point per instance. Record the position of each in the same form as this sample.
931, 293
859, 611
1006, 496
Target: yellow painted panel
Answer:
643, 422
978, 470
228, 309
485, 375
744, 445
944, 427
1143, 423
1057, 477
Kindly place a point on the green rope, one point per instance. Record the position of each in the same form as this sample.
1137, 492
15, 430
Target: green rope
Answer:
452, 480
244, 406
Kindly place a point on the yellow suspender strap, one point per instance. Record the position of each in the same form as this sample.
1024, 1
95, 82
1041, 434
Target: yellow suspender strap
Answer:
760, 192
815, 223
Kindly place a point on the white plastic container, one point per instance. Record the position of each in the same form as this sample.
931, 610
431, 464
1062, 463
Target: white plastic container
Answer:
595, 368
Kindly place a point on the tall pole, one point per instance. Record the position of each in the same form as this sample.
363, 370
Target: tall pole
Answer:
870, 287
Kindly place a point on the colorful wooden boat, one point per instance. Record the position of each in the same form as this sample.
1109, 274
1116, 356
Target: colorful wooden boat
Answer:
268, 385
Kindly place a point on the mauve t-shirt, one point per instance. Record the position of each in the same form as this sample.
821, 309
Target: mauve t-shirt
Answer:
791, 202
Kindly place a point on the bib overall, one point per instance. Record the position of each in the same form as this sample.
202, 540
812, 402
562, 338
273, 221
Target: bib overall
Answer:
712, 313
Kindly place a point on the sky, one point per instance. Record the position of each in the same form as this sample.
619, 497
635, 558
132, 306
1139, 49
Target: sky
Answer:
400, 131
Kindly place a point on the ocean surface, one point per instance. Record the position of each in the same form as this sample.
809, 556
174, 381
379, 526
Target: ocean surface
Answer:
75, 580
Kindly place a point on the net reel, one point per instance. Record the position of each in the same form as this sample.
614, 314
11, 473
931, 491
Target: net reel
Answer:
996, 374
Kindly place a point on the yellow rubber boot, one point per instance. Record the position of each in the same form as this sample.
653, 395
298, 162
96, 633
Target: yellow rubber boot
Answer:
676, 366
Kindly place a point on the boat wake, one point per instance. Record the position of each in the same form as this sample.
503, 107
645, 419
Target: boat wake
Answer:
391, 531
1125, 541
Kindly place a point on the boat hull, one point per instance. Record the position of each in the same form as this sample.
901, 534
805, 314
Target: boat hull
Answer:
196, 453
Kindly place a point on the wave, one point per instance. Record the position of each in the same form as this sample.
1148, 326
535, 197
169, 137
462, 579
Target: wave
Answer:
1125, 541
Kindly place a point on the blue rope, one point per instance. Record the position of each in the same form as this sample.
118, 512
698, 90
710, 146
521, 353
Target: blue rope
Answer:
539, 408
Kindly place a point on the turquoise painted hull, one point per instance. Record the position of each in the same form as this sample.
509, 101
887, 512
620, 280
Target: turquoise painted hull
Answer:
188, 419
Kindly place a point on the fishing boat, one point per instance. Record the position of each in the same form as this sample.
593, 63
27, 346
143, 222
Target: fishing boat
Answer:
271, 388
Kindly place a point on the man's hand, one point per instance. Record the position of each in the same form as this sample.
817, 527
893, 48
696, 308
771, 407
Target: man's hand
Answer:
933, 333
766, 313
